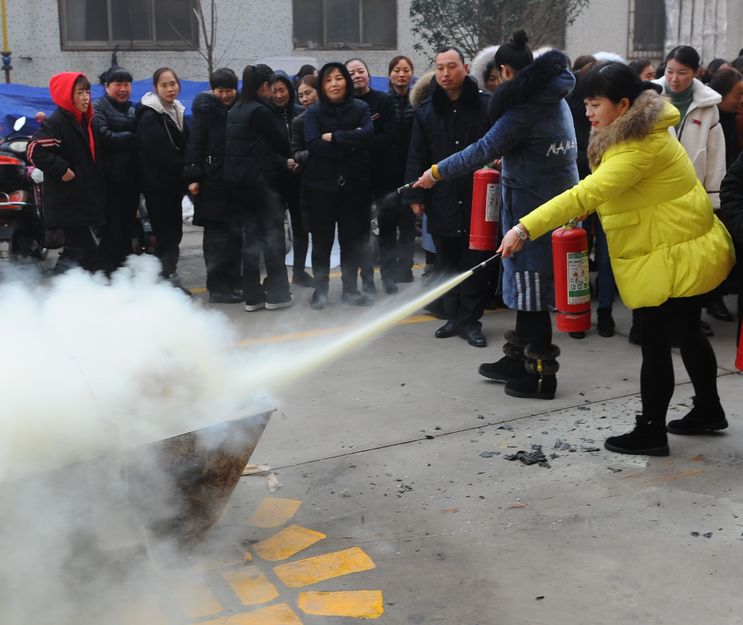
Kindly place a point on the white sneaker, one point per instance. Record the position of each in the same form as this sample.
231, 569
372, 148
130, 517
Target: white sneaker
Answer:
254, 307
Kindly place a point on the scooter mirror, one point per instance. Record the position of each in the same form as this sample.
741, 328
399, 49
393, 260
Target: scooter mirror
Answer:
19, 123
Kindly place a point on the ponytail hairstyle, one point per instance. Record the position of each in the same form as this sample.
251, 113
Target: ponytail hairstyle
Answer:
254, 76
615, 81
515, 53
686, 55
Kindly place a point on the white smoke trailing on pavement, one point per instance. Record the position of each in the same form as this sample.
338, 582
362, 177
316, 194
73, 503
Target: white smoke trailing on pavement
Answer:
90, 368
92, 372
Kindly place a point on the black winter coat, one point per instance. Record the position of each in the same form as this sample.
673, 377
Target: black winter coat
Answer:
205, 159
441, 128
61, 144
161, 151
343, 163
381, 150
401, 137
252, 142
731, 213
300, 153
116, 125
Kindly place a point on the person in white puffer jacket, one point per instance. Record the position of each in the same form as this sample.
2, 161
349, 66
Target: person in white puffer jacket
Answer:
699, 130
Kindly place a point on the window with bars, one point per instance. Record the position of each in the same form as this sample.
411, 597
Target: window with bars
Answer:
128, 24
648, 27
345, 24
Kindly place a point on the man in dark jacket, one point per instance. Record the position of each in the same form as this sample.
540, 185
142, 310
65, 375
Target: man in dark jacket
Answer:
116, 124
381, 151
284, 106
453, 116
66, 149
213, 206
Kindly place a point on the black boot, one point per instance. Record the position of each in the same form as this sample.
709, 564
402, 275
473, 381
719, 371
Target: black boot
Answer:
647, 439
605, 322
703, 417
540, 381
511, 366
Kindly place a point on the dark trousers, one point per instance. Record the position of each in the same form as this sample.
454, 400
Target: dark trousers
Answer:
350, 211
262, 215
396, 237
166, 217
464, 303
222, 246
677, 317
535, 327
300, 236
119, 229
80, 250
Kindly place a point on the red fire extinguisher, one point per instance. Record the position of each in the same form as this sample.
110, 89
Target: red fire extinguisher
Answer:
739, 355
572, 287
485, 217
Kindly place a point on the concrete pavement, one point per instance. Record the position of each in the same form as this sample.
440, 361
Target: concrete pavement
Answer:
397, 450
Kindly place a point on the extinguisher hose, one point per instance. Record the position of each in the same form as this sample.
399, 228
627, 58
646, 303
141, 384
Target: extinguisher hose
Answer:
485, 263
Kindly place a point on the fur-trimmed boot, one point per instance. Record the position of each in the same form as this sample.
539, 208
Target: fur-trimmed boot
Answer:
540, 381
511, 366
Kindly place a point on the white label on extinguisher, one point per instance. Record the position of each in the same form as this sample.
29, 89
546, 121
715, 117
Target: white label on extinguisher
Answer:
492, 203
579, 291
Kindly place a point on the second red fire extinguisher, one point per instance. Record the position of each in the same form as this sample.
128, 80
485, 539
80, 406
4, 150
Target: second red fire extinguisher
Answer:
572, 286
485, 217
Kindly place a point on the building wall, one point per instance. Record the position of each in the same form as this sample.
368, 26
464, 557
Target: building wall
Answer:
603, 26
249, 31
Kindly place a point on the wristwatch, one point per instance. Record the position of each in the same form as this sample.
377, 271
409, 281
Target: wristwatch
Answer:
520, 232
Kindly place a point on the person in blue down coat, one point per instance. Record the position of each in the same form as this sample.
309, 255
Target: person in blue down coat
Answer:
533, 133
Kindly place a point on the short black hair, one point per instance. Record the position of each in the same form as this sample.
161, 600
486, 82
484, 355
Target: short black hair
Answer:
615, 81
115, 74
639, 65
223, 78
724, 80
443, 49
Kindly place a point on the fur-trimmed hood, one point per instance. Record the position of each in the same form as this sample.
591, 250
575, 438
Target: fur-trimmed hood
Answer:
206, 103
480, 62
547, 79
421, 89
649, 113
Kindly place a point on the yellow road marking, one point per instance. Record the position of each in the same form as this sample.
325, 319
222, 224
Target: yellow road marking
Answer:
251, 586
287, 543
280, 614
274, 512
320, 568
197, 601
366, 604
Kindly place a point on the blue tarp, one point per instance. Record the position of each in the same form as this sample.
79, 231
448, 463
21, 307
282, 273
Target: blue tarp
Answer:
19, 100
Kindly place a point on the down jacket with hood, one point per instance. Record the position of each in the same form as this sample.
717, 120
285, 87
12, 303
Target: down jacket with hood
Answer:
204, 158
533, 133
67, 140
440, 128
161, 145
342, 164
664, 239
701, 134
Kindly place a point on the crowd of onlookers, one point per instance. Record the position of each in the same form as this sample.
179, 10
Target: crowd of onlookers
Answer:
331, 151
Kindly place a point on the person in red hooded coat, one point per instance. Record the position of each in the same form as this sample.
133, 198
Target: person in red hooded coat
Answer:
66, 150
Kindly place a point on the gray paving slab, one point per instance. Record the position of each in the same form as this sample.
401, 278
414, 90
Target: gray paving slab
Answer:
399, 447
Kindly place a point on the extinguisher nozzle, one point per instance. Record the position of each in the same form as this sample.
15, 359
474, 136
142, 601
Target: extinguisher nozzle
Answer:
485, 263
404, 187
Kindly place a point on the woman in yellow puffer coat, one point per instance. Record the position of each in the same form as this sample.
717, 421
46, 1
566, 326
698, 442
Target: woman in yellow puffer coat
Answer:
667, 248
